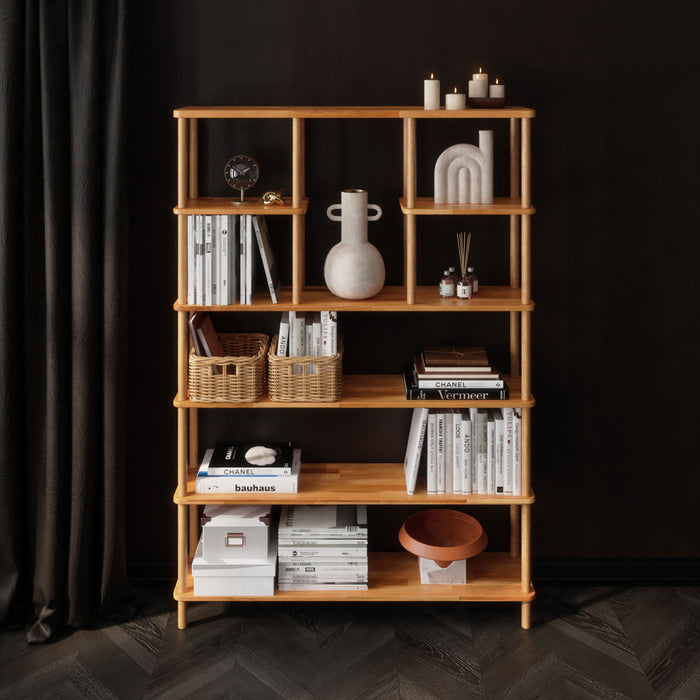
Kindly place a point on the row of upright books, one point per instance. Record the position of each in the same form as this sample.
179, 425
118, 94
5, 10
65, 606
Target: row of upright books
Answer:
322, 547
454, 373
249, 467
308, 334
474, 451
222, 259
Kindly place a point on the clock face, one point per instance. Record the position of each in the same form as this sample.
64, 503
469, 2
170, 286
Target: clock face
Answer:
242, 172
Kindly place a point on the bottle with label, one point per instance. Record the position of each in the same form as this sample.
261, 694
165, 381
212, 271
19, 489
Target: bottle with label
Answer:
465, 287
447, 285
475, 280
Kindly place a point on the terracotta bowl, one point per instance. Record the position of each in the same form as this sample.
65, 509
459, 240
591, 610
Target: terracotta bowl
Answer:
442, 535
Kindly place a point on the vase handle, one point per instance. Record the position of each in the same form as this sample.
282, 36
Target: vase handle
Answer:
376, 216
334, 217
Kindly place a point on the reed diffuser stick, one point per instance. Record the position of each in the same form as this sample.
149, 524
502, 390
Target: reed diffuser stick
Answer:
464, 241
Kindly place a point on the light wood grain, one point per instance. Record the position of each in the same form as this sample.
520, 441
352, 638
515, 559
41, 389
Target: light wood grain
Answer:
390, 299
372, 483
394, 576
229, 205
371, 391
425, 206
347, 112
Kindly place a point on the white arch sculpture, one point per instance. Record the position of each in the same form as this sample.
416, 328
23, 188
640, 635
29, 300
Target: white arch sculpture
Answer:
464, 173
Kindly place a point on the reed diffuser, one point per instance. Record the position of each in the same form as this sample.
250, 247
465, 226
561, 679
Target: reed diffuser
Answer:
465, 287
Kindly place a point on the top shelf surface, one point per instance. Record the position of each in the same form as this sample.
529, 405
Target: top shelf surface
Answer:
369, 112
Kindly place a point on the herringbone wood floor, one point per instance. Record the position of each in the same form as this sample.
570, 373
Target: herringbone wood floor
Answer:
585, 643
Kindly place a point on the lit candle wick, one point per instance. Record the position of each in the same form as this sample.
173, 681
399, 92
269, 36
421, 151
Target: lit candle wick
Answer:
455, 91
431, 76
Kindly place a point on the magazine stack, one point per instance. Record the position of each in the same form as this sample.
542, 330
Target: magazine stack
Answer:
322, 548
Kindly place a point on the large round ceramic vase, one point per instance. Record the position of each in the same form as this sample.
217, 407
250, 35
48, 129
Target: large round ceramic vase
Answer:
354, 268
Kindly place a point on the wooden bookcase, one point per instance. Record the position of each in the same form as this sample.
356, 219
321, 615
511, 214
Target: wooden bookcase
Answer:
393, 576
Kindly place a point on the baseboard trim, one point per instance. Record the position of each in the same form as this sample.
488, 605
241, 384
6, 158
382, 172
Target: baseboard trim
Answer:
551, 571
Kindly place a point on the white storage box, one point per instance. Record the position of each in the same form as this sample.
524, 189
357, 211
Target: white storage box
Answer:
430, 572
235, 532
232, 577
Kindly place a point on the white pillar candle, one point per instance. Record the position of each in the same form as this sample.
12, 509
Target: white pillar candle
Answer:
497, 89
431, 93
455, 100
478, 88
481, 76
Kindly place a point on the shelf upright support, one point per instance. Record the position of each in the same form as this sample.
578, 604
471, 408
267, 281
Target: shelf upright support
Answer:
514, 244
297, 219
183, 181
409, 124
526, 538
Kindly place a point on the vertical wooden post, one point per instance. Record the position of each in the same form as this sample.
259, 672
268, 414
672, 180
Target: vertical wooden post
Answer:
194, 159
525, 357
297, 219
410, 191
514, 244
514, 530
525, 573
525, 162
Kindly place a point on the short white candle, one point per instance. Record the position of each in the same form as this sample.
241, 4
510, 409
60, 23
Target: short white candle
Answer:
497, 89
431, 93
455, 100
478, 88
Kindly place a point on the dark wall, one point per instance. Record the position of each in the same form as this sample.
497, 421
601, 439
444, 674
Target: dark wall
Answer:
615, 244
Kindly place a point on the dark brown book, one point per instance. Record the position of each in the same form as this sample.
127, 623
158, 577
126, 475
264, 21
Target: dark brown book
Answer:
455, 356
204, 338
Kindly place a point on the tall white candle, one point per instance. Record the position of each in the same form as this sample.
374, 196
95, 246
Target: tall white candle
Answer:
431, 93
455, 100
497, 89
478, 88
481, 76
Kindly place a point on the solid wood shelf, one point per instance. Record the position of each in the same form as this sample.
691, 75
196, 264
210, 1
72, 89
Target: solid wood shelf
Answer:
390, 299
394, 576
232, 205
372, 483
502, 206
348, 112
374, 391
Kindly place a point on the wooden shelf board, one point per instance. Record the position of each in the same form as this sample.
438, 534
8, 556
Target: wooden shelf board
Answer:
390, 299
374, 483
347, 112
394, 576
373, 391
232, 205
425, 206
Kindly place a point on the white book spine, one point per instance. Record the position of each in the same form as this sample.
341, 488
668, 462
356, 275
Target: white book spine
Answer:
517, 453
208, 261
457, 449
329, 333
223, 259
191, 264
249, 261
431, 453
414, 447
199, 259
430, 383
283, 336
473, 418
466, 453
449, 451
482, 456
508, 451
500, 447
233, 258
242, 258
440, 450
215, 255
317, 342
306, 550
491, 454
297, 333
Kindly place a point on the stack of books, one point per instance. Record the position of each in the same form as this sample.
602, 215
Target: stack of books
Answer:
474, 451
454, 373
221, 259
322, 548
249, 467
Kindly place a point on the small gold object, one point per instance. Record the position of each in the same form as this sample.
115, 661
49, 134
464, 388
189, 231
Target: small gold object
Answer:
273, 198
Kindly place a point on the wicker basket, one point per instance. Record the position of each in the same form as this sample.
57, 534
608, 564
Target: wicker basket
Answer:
241, 376
305, 378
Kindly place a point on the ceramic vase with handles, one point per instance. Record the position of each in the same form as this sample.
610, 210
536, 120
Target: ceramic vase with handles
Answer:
354, 268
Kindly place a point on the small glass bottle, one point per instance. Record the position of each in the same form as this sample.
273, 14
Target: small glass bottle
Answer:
454, 275
447, 285
465, 287
475, 280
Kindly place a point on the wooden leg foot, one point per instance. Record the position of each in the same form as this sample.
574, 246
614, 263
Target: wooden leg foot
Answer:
525, 616
181, 615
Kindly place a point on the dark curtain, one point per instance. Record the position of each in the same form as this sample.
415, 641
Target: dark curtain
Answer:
63, 234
